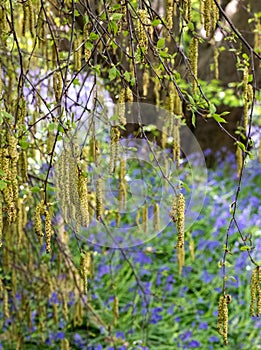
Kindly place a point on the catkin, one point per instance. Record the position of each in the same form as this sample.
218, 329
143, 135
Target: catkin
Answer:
193, 57
114, 148
222, 325
48, 230
146, 81
169, 14
156, 217
83, 197
255, 290
77, 54
245, 96
39, 211
65, 345
115, 310
143, 22
180, 219
85, 266
99, 198
145, 218
239, 159
5, 305
1, 221
57, 85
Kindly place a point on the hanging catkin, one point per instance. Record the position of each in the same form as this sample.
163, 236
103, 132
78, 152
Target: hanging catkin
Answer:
193, 57
255, 304
222, 325
99, 198
239, 159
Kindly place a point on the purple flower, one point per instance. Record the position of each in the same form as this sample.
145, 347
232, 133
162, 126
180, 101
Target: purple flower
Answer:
194, 344
203, 325
213, 339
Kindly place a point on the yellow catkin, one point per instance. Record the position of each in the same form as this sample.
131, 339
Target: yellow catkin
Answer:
83, 196
257, 36
77, 54
146, 81
115, 310
255, 290
181, 258
99, 198
38, 212
48, 230
57, 85
78, 313
176, 142
145, 218
142, 29
25, 25
114, 148
5, 305
216, 65
30, 17
85, 267
187, 10
1, 221
65, 345
222, 325
180, 219
239, 159
65, 308
169, 14
207, 16
193, 57
156, 217
245, 96
121, 108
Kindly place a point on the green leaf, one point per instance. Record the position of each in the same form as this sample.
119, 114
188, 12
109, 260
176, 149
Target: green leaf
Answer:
212, 108
127, 76
24, 144
155, 22
218, 118
245, 247
112, 73
3, 185
116, 16
93, 36
88, 45
241, 145
161, 43
193, 119
35, 189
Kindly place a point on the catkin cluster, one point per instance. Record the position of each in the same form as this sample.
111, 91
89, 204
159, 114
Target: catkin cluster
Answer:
28, 17
209, 15
143, 26
187, 6
9, 163
222, 326
255, 304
